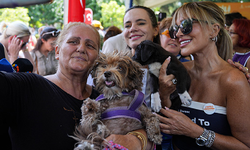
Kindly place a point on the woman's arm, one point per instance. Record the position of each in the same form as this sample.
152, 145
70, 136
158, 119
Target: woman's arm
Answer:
238, 112
237, 94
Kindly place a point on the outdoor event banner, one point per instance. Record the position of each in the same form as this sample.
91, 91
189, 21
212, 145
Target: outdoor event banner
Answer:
243, 8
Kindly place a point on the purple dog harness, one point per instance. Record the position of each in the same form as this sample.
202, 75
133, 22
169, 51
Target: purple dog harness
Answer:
125, 111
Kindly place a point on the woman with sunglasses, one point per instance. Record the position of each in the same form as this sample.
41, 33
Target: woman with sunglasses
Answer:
218, 116
43, 54
169, 44
14, 38
239, 31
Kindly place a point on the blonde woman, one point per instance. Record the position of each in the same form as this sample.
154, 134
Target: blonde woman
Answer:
218, 117
13, 39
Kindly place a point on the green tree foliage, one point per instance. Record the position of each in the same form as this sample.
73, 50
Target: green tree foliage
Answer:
112, 14
47, 14
97, 14
9, 15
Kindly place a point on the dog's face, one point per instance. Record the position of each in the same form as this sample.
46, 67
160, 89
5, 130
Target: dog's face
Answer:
146, 52
114, 74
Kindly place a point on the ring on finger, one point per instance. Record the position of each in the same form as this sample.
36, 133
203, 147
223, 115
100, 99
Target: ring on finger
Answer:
174, 81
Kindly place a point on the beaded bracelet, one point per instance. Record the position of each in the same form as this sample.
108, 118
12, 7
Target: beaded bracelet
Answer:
141, 137
113, 145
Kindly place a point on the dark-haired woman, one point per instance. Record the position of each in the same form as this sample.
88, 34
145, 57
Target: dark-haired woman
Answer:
240, 34
43, 54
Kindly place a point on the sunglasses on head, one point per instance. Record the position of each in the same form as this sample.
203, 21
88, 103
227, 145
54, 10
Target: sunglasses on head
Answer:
53, 33
186, 27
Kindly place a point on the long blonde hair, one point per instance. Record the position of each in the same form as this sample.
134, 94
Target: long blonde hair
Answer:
210, 13
17, 28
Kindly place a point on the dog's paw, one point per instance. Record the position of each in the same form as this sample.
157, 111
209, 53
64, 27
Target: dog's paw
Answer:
90, 106
102, 131
156, 102
157, 139
185, 98
84, 146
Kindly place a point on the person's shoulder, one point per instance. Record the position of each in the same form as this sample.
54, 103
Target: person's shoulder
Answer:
233, 77
114, 38
21, 78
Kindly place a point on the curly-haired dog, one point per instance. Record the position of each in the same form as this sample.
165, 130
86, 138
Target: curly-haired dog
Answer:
120, 108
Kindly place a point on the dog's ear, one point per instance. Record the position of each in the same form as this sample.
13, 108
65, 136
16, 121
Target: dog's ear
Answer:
135, 75
101, 58
147, 50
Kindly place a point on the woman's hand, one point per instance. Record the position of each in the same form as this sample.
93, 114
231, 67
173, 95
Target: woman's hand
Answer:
178, 124
128, 141
241, 68
166, 86
14, 46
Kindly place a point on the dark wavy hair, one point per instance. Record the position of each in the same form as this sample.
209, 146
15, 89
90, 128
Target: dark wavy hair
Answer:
242, 28
44, 36
112, 31
153, 19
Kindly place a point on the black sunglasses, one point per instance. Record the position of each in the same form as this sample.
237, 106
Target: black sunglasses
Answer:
53, 33
186, 27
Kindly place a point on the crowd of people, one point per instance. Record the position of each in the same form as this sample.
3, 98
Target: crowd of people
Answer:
41, 109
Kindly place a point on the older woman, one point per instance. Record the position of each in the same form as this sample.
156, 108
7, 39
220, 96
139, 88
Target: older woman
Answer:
41, 113
217, 89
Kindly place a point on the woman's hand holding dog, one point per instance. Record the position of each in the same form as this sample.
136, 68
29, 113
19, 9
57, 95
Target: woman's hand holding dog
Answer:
178, 124
131, 141
166, 86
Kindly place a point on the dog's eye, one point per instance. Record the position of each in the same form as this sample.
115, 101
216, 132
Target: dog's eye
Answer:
120, 68
104, 66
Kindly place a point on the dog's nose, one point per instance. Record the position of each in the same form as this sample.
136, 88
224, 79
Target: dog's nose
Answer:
107, 74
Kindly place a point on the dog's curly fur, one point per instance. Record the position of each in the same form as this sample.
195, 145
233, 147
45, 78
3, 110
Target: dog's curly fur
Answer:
114, 74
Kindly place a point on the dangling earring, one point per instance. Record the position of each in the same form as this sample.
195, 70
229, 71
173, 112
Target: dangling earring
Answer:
214, 39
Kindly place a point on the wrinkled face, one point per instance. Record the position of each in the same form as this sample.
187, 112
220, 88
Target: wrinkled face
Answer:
78, 50
138, 27
115, 75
